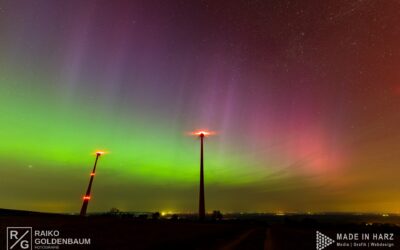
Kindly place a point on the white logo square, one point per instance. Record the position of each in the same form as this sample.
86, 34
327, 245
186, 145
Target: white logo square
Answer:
19, 238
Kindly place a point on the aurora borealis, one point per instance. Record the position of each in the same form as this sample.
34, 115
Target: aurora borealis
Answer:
304, 96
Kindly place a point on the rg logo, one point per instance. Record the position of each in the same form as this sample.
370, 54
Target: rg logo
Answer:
19, 238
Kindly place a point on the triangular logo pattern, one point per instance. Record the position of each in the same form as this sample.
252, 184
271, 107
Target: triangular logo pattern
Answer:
323, 241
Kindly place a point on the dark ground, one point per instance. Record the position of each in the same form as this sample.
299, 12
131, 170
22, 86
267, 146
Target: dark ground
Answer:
125, 232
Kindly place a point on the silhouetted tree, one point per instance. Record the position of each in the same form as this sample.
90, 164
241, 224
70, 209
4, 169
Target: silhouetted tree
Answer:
174, 217
155, 216
142, 216
114, 211
216, 215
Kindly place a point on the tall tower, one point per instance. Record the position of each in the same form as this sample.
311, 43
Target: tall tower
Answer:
202, 207
86, 198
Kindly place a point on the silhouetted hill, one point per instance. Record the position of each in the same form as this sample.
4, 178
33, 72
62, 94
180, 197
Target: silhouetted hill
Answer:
14, 212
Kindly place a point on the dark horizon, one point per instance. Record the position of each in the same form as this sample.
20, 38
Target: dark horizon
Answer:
383, 214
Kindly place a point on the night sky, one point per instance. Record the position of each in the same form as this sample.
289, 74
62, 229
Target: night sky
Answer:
304, 97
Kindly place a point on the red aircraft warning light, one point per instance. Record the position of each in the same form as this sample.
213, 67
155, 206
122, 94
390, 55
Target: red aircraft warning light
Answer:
203, 133
86, 198
202, 207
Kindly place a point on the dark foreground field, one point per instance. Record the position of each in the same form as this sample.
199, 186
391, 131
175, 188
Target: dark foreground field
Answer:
114, 233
